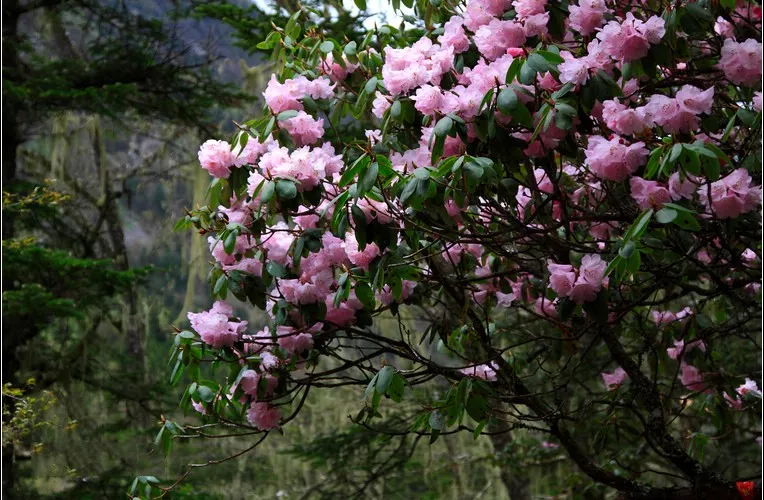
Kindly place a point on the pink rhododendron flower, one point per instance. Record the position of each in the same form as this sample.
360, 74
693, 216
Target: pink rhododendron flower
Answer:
214, 327
283, 96
614, 379
749, 387
612, 159
736, 404
724, 28
681, 348
731, 196
360, 258
582, 286
543, 181
387, 297
199, 407
250, 382
587, 16
682, 189
494, 38
484, 371
536, 25
380, 104
573, 70
303, 128
629, 40
217, 158
741, 62
622, 119
648, 194
410, 67
335, 70
264, 416
427, 99
545, 307
293, 342
691, 378
454, 35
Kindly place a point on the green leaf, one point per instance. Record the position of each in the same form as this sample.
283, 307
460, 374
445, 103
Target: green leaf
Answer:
443, 127
528, 74
514, 70
506, 101
205, 393
286, 115
275, 269
479, 429
523, 116
538, 63
287, 190
229, 244
354, 169
627, 250
437, 422
326, 46
350, 48
367, 180
371, 85
384, 379
396, 108
267, 192
397, 387
687, 221
365, 294
666, 215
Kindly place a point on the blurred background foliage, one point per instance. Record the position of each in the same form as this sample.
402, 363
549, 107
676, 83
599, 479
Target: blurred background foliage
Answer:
104, 106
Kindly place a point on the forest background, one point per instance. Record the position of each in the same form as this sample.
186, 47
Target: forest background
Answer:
104, 105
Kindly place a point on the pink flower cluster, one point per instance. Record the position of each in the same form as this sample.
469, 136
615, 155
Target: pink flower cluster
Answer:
612, 159
309, 166
630, 40
215, 327
303, 128
614, 379
411, 67
741, 62
731, 196
587, 15
484, 371
286, 96
582, 284
678, 114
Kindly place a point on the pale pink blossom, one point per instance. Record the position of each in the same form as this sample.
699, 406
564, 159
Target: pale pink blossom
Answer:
749, 387
494, 38
612, 159
264, 416
303, 128
587, 16
214, 326
217, 158
741, 62
648, 194
680, 348
484, 371
691, 377
630, 39
613, 380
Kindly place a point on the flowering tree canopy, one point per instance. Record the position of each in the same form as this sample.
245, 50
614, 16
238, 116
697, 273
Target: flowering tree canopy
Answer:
562, 196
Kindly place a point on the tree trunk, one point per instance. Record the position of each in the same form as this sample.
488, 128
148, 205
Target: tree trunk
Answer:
516, 482
11, 140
